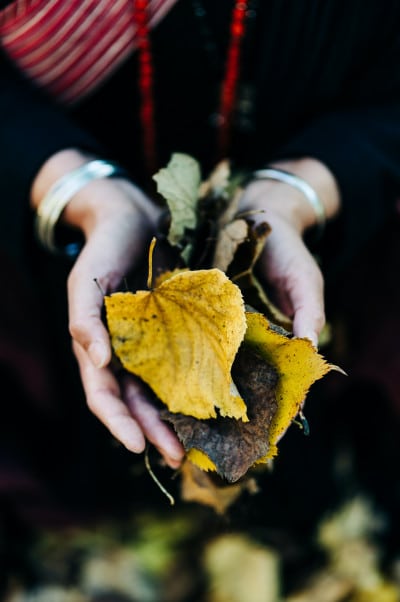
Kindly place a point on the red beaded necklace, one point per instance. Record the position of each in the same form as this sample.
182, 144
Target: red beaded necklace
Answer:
229, 84
230, 80
146, 73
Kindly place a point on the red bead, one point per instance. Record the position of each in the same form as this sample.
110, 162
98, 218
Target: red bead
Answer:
232, 73
238, 29
146, 69
238, 15
147, 111
141, 5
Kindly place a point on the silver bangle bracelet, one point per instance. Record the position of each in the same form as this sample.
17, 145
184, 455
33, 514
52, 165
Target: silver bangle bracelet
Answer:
297, 182
62, 191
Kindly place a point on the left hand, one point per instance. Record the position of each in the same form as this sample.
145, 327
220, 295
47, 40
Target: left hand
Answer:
286, 263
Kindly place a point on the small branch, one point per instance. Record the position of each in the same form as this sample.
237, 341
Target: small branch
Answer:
153, 476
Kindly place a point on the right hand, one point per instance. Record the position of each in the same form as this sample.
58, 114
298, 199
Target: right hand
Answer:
117, 221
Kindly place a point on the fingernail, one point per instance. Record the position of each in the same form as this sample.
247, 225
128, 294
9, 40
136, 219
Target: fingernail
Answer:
98, 354
174, 463
174, 457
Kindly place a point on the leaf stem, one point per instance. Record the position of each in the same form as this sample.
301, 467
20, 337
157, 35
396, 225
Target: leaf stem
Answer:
150, 273
153, 476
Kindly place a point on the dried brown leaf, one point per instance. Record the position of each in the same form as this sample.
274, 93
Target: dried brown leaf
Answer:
241, 272
232, 445
218, 181
229, 238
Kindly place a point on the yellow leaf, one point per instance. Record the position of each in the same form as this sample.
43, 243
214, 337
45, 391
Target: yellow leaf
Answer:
197, 486
298, 365
168, 274
181, 339
239, 569
200, 459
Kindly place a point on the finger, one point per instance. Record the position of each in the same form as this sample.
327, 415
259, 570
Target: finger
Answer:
91, 277
156, 431
86, 326
307, 298
109, 254
297, 279
103, 398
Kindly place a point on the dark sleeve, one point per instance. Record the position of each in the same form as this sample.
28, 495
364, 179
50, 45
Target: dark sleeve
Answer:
32, 128
360, 143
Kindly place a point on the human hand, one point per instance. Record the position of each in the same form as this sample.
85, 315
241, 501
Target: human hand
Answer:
117, 221
286, 263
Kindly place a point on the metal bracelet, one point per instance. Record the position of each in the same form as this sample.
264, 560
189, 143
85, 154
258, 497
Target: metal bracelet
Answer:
62, 191
289, 178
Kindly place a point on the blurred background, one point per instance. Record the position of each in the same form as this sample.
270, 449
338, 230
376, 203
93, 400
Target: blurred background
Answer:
82, 521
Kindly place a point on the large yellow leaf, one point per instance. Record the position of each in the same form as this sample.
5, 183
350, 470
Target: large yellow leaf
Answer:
181, 339
298, 365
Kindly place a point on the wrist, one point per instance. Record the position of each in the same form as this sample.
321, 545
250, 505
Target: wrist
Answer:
57, 166
302, 191
74, 189
101, 200
319, 177
272, 199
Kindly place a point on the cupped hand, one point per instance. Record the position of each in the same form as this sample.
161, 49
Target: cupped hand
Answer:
117, 220
289, 267
286, 264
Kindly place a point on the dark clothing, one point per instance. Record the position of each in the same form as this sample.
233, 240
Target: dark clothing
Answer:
325, 81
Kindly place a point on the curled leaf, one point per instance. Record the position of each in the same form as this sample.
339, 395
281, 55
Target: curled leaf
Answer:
241, 271
181, 339
273, 373
218, 182
230, 237
298, 366
234, 446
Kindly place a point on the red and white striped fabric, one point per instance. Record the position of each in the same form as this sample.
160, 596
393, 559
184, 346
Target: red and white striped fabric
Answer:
69, 47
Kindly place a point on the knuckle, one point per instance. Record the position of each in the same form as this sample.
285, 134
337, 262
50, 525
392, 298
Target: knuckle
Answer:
78, 330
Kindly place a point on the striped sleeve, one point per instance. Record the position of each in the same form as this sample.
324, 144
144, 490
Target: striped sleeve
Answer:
70, 48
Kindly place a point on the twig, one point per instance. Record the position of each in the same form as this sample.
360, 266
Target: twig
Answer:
153, 476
